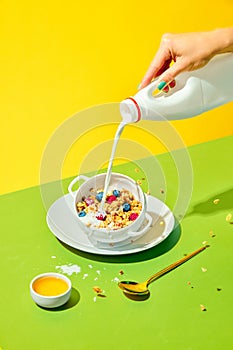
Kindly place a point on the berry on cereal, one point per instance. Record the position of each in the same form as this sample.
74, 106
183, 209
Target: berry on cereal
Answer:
126, 207
101, 216
116, 193
110, 199
99, 196
133, 216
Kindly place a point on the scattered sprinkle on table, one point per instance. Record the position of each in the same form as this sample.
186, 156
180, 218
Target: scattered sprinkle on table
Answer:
212, 234
203, 308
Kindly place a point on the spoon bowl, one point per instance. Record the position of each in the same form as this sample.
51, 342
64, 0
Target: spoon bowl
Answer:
140, 289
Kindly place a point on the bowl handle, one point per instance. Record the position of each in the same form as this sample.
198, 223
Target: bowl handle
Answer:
73, 182
138, 233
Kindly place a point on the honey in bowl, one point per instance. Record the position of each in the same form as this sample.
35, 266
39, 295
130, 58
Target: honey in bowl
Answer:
50, 286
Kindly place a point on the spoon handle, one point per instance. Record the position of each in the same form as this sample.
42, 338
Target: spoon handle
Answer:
174, 265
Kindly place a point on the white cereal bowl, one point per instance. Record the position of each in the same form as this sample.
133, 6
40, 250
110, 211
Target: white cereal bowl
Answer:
54, 300
117, 181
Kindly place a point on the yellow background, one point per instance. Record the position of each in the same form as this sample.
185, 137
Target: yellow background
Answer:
60, 57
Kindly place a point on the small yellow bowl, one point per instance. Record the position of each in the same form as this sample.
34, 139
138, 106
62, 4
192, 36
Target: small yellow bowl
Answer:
50, 289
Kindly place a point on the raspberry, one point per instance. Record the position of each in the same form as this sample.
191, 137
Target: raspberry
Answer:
110, 199
133, 216
101, 216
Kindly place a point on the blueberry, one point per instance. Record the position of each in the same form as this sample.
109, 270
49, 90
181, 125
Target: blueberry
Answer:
99, 196
116, 193
126, 207
82, 213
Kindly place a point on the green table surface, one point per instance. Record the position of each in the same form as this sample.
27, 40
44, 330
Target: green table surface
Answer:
171, 318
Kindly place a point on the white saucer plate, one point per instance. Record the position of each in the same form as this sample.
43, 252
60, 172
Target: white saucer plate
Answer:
63, 223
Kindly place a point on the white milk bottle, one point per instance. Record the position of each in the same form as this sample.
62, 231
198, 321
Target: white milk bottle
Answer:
195, 92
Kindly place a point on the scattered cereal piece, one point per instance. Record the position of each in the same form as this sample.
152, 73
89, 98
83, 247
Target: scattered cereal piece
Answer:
203, 308
121, 272
203, 269
229, 217
204, 242
115, 279
216, 201
136, 170
161, 190
148, 192
189, 284
139, 182
212, 234
97, 290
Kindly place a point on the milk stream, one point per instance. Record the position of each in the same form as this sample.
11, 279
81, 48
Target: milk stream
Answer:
109, 171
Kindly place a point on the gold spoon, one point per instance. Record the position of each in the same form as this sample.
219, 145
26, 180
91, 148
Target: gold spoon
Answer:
141, 289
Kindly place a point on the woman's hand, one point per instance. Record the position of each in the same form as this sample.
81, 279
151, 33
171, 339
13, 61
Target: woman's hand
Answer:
187, 52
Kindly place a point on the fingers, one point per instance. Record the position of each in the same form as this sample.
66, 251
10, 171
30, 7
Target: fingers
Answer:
158, 65
166, 87
171, 73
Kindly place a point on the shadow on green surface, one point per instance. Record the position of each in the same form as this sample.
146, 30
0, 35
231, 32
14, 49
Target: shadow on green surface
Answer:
74, 300
209, 207
137, 297
151, 253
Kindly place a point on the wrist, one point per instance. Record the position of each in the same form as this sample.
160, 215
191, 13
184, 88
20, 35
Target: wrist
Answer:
223, 39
